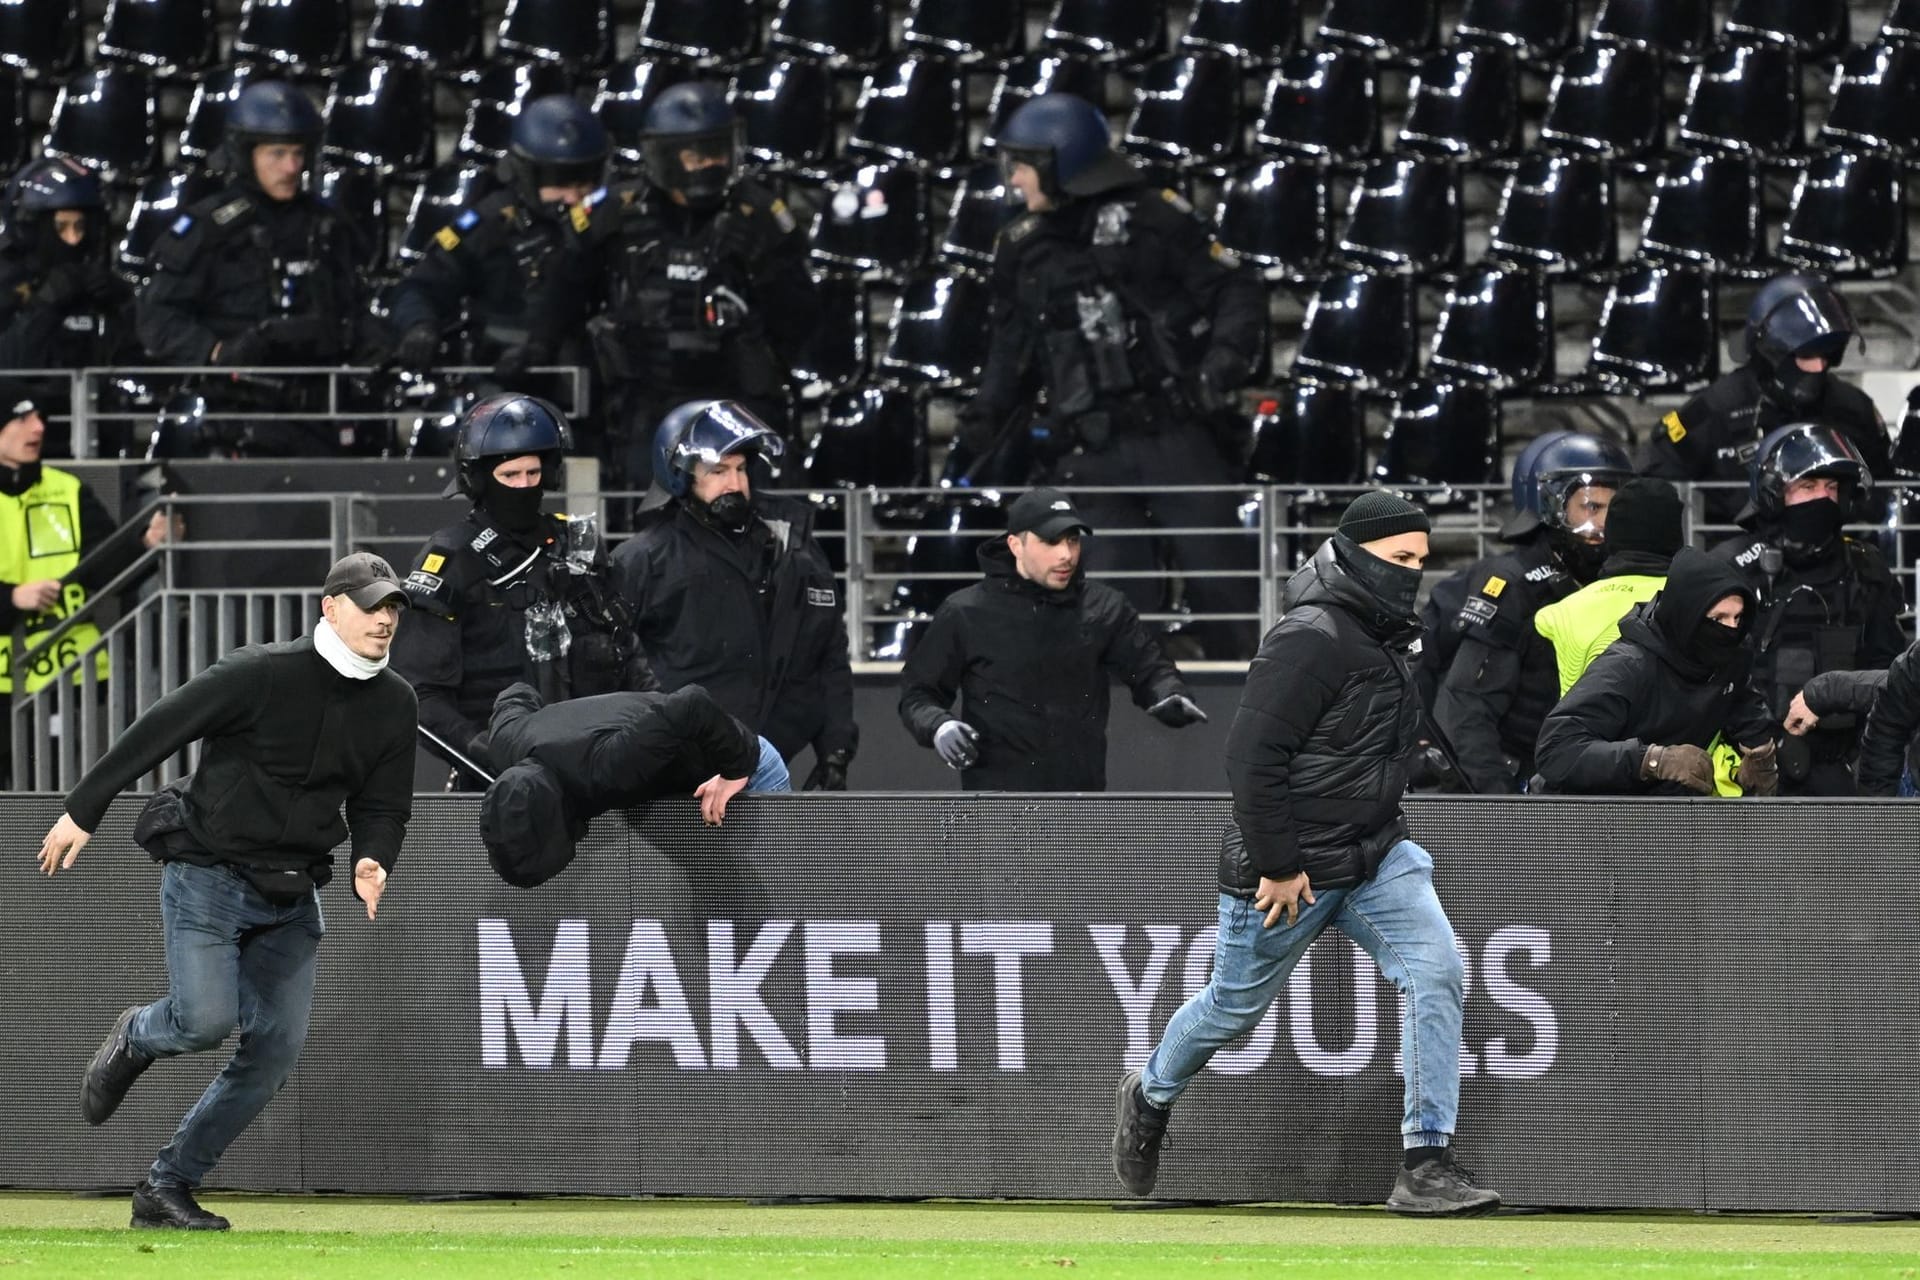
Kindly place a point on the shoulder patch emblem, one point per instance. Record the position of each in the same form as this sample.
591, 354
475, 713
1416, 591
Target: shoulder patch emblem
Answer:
229, 211
1676, 430
580, 215
1110, 225
1476, 612
423, 582
1175, 199
183, 224
466, 221
1020, 228
782, 216
1495, 585
432, 563
447, 238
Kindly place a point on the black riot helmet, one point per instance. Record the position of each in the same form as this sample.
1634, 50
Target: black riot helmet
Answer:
1794, 316
693, 119
508, 426
1805, 451
555, 142
266, 113
707, 431
1551, 469
1067, 142
46, 187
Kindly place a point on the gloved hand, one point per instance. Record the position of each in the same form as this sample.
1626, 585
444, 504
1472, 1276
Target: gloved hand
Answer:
1221, 374
829, 772
479, 750
1686, 764
511, 368
1759, 772
1177, 711
732, 239
958, 744
417, 347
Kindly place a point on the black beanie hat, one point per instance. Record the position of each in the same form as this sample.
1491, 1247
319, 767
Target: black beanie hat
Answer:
1380, 514
1645, 516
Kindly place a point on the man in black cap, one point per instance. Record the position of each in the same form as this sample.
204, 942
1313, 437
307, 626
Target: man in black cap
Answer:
290, 732
1317, 759
1031, 652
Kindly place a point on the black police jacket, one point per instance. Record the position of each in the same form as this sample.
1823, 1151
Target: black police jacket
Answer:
1317, 755
1889, 704
1651, 689
465, 639
1715, 435
41, 329
238, 258
1503, 677
753, 618
1032, 668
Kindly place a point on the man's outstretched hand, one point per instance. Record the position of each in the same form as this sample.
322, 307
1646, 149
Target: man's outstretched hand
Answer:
62, 845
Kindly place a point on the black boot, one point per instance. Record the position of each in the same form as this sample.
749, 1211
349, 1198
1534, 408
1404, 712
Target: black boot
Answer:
1139, 1127
172, 1208
114, 1068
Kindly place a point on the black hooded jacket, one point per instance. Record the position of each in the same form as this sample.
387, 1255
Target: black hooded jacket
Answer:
1654, 687
1033, 669
1317, 756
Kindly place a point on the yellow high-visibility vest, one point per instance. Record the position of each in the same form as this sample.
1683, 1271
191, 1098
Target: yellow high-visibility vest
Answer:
45, 526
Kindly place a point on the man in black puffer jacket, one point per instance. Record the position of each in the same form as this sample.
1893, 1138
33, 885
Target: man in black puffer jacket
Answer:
1644, 717
1317, 759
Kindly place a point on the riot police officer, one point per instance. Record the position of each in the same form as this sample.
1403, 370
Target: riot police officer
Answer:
1798, 330
263, 272
709, 295
515, 259
1114, 297
729, 590
1827, 602
1503, 678
509, 593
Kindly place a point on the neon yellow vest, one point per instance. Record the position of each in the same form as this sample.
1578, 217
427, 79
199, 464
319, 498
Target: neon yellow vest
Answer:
47, 545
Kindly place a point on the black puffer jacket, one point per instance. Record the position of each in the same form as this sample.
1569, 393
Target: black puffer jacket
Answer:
1656, 686
1317, 756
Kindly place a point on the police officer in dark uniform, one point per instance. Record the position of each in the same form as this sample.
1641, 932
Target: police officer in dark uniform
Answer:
262, 273
1113, 297
509, 593
729, 590
516, 258
1503, 678
1827, 602
709, 295
1798, 329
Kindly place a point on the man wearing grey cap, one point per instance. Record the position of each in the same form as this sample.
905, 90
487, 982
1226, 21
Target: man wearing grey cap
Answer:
290, 733
1031, 652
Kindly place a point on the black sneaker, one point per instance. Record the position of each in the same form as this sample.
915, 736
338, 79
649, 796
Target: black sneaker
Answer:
1440, 1188
172, 1208
114, 1068
1139, 1127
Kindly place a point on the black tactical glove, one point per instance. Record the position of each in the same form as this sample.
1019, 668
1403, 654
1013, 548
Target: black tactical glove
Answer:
417, 347
732, 240
958, 744
1686, 764
1759, 773
511, 368
1177, 711
829, 772
479, 750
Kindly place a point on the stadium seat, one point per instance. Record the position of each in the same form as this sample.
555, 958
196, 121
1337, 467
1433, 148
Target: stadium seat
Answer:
40, 37
498, 95
1109, 30
839, 32
360, 193
875, 220
980, 208
978, 31
968, 518
1277, 215
167, 37
836, 354
1321, 104
1186, 112
1605, 101
1848, 217
1556, 215
1902, 22
576, 34
1658, 331
704, 31
1256, 34
785, 107
106, 119
1706, 213
305, 35
1441, 433
1029, 77
1537, 31
1396, 30
1818, 29
937, 335
1680, 29
1495, 327
15, 132
1309, 433
1404, 215
1464, 104
156, 204
911, 109
1876, 101
1360, 331
1744, 99
870, 437
444, 192
380, 116
442, 34
206, 119
623, 95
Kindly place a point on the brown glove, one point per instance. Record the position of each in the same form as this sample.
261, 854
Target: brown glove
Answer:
1686, 764
1759, 773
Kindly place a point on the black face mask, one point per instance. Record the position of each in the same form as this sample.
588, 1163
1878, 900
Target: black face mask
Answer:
1808, 529
515, 510
730, 511
1798, 389
1580, 558
1395, 586
1716, 645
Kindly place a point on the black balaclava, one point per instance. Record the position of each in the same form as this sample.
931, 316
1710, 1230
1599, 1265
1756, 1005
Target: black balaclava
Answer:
515, 510
1394, 586
729, 513
1580, 558
1695, 583
1809, 531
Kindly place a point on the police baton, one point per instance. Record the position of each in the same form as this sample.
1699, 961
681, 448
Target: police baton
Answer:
455, 754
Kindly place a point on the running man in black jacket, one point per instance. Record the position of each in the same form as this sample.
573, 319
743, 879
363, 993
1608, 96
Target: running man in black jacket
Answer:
1317, 759
1031, 652
290, 732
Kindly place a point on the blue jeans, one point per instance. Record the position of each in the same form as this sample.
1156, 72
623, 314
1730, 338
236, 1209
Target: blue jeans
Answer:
771, 773
1397, 918
232, 958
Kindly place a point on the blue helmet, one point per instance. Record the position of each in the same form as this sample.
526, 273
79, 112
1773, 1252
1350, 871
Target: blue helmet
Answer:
556, 142
707, 431
266, 112
508, 426
1801, 451
1791, 316
695, 117
1067, 142
42, 189
1551, 468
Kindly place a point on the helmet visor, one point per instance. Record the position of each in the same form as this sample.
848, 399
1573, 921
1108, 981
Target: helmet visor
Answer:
1816, 452
694, 163
1816, 322
1558, 487
723, 430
